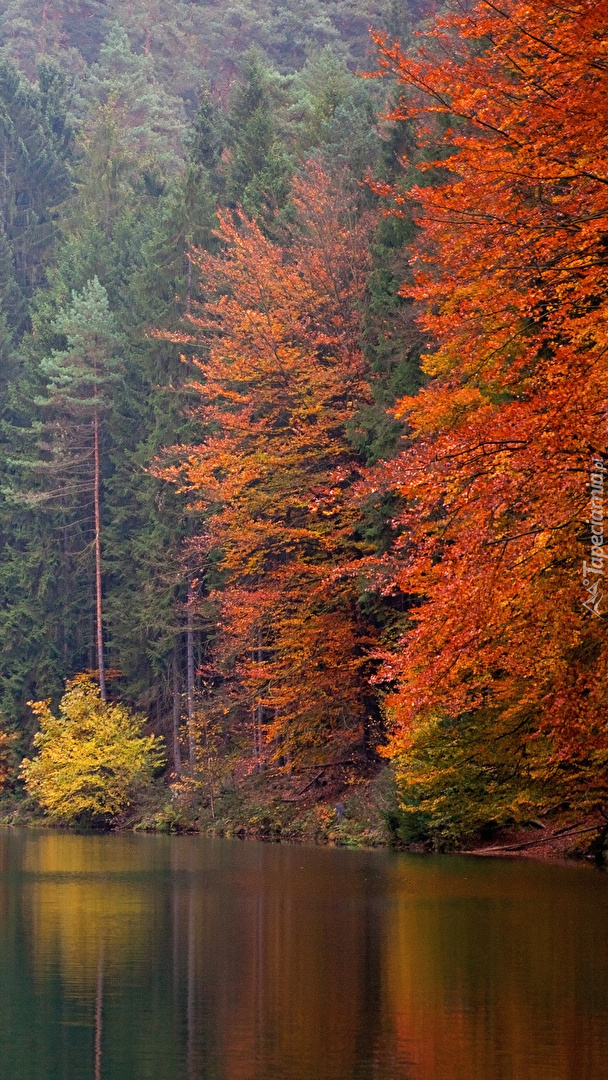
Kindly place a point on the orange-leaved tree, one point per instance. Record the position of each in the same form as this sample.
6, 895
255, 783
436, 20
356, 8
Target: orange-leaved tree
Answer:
500, 684
281, 376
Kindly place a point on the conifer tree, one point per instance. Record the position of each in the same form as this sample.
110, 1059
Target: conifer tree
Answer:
151, 119
36, 147
259, 169
80, 380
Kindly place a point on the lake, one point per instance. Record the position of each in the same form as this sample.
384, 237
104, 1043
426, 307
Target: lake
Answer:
126, 957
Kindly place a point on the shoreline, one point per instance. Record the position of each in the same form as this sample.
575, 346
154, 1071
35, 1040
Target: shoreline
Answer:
583, 841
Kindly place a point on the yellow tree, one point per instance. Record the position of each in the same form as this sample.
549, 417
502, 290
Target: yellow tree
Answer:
91, 758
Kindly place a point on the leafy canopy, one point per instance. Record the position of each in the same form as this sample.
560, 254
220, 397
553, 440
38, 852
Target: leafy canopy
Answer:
281, 372
91, 757
510, 264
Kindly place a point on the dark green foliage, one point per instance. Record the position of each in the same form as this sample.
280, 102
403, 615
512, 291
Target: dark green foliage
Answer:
206, 137
334, 113
259, 168
36, 146
265, 87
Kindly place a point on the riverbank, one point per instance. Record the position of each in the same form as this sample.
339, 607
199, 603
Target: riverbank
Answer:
314, 808
336, 810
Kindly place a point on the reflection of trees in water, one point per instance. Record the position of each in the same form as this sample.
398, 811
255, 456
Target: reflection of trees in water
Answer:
99, 1014
235, 965
274, 980
191, 982
195, 960
80, 896
88, 907
496, 970
420, 970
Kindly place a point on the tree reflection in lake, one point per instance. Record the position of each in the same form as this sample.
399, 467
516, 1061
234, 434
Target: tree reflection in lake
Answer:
99, 1015
179, 958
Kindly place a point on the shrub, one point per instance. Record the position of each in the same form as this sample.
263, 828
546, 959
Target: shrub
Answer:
91, 758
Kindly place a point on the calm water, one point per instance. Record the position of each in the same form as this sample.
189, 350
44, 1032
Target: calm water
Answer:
142, 957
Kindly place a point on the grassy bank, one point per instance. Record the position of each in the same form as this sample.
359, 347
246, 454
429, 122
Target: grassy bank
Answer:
335, 810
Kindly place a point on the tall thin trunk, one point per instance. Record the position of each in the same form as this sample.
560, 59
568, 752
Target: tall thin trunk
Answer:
189, 287
98, 596
259, 710
190, 672
177, 756
210, 772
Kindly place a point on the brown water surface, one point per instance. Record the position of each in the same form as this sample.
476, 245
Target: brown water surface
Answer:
130, 957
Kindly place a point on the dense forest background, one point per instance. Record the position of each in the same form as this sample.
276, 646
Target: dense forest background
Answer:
288, 359
124, 127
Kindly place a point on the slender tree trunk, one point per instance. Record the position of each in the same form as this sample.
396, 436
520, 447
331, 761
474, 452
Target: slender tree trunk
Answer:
189, 287
177, 756
210, 772
190, 672
258, 735
98, 595
260, 709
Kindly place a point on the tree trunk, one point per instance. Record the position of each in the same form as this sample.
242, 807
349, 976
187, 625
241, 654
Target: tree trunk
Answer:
260, 709
190, 673
98, 595
177, 756
210, 771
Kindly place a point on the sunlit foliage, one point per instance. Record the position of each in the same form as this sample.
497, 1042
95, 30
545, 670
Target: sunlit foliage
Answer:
91, 756
510, 433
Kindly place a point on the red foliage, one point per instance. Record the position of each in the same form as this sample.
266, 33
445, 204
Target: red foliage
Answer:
512, 268
281, 375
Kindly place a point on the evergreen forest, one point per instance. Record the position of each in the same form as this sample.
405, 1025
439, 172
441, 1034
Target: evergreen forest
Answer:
303, 389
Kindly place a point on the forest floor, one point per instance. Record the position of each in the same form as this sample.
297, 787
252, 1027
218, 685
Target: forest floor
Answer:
321, 806
329, 808
337, 808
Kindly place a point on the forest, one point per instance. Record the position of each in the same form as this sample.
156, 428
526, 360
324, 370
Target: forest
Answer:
304, 371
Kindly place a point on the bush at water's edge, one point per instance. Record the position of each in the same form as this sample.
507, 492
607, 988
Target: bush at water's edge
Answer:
364, 814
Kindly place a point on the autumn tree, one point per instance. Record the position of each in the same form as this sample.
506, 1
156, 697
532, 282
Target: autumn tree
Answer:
100, 179
500, 683
281, 376
91, 757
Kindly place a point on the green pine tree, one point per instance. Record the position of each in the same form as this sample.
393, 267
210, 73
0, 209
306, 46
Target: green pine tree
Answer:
80, 382
260, 169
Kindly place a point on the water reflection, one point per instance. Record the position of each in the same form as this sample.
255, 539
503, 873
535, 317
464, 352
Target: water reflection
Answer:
141, 958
